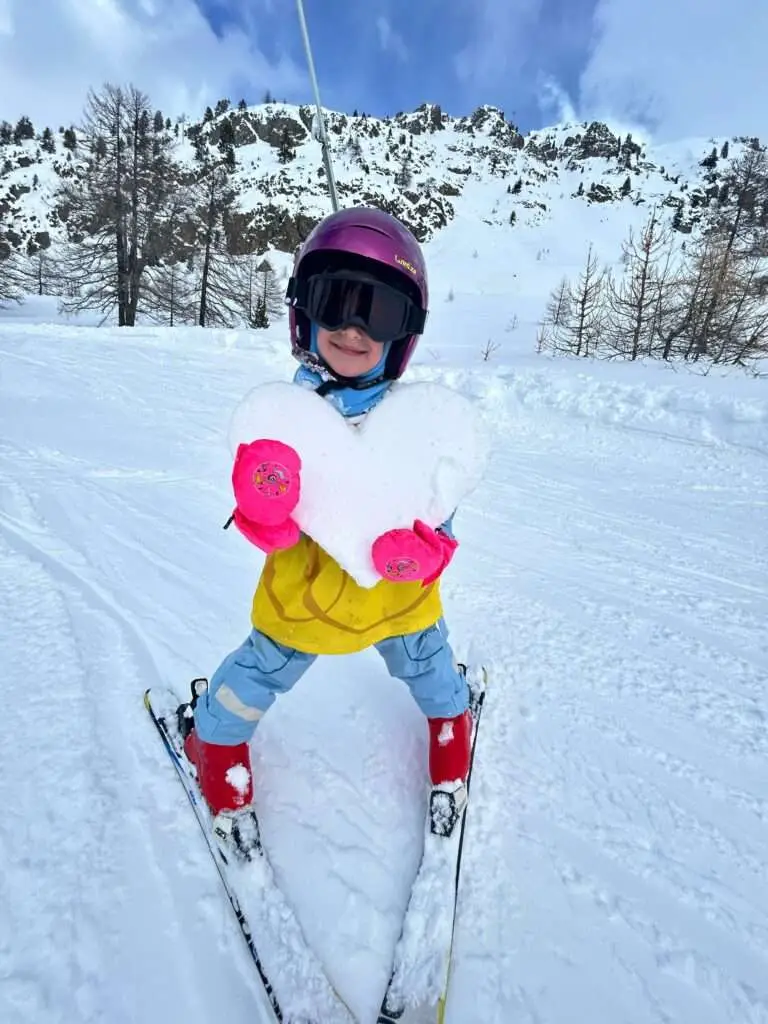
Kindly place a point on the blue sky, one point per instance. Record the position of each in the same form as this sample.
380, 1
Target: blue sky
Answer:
671, 68
394, 55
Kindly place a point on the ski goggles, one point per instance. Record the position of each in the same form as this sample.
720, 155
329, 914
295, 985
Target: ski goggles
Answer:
338, 301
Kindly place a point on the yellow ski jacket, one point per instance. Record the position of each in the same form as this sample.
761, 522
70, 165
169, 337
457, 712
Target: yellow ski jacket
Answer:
306, 601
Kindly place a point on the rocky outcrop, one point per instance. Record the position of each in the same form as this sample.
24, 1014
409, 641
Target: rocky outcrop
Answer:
415, 164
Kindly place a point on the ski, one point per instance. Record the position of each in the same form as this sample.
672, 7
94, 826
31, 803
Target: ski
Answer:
321, 1004
422, 967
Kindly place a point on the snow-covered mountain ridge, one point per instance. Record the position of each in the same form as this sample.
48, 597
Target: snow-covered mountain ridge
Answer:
425, 166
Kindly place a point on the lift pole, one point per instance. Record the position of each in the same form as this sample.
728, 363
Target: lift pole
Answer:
318, 129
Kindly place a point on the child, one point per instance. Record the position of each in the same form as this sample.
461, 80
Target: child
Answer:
358, 305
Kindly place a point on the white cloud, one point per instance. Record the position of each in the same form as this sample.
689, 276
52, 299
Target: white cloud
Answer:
499, 44
53, 51
389, 40
685, 68
555, 103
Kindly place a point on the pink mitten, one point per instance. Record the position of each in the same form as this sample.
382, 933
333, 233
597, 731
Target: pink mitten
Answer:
266, 481
267, 538
418, 554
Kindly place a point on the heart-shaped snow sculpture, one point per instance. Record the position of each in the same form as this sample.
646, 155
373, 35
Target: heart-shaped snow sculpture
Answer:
416, 455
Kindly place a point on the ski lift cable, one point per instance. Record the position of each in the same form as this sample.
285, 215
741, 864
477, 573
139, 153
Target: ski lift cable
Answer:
323, 139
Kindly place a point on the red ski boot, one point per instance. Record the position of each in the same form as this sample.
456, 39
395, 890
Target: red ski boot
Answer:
449, 748
223, 773
450, 751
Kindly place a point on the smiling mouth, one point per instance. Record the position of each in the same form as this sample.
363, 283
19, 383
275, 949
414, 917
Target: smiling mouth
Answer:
349, 351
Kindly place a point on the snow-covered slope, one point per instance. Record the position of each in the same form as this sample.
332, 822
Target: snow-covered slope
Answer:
612, 573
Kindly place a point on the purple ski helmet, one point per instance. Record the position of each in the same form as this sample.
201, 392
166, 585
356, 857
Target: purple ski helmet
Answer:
368, 240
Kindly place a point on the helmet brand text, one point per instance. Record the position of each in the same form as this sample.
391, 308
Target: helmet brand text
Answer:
406, 264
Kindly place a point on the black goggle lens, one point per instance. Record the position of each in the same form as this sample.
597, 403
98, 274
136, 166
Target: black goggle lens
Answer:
336, 302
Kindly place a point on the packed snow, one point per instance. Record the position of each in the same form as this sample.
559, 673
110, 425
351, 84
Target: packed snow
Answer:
612, 574
239, 778
414, 456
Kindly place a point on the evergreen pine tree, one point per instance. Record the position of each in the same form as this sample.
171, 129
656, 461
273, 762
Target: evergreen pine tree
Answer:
285, 152
200, 148
226, 135
24, 130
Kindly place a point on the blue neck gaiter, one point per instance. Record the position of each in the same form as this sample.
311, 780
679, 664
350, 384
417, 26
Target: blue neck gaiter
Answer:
349, 401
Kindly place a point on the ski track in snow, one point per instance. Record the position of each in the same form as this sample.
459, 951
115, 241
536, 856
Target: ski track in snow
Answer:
636, 833
613, 574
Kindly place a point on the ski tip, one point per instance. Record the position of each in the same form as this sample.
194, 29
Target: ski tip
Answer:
441, 1010
480, 676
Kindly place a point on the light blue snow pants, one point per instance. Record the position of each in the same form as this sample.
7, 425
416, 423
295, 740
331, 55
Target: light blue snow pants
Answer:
246, 683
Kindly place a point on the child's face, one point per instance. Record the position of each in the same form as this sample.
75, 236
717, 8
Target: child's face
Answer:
349, 352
